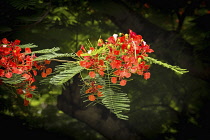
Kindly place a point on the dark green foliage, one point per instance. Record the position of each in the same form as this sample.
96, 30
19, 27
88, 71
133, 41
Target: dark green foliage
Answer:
22, 4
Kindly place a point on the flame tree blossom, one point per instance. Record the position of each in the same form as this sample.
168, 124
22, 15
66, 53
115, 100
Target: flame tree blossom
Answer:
111, 62
119, 56
16, 60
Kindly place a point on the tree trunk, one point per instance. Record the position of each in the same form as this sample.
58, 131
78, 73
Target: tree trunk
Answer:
97, 116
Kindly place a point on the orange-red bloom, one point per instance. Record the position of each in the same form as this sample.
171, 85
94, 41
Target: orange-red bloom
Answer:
114, 80
147, 75
91, 97
13, 61
123, 82
92, 74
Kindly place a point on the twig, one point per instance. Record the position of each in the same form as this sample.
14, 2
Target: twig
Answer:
58, 60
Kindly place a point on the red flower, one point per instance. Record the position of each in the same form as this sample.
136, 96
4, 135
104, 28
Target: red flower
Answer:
100, 42
1, 72
34, 72
8, 74
111, 40
131, 33
27, 50
116, 52
92, 74
43, 74
16, 51
100, 72
79, 53
48, 71
114, 80
91, 97
18, 71
126, 74
99, 94
133, 69
47, 61
124, 46
26, 102
123, 82
85, 64
146, 75
116, 64
16, 42
139, 72
19, 91
25, 75
13, 61
28, 95
5, 41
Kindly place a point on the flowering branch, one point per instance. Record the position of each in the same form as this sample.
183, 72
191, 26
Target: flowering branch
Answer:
110, 64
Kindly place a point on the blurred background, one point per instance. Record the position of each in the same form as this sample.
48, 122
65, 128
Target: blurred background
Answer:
165, 107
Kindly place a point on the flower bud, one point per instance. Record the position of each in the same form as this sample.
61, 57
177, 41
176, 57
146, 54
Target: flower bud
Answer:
129, 46
139, 60
126, 36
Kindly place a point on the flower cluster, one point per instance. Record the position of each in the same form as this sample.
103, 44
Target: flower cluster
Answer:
119, 56
94, 89
15, 62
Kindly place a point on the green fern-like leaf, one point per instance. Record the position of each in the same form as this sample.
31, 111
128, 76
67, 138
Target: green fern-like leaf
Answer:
53, 55
65, 75
47, 50
174, 68
116, 102
22, 4
65, 66
58, 69
29, 45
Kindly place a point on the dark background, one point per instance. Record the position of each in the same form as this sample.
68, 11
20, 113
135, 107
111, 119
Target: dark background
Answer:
165, 107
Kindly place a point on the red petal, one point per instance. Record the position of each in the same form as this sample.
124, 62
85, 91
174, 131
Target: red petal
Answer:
5, 41
114, 80
16, 42
92, 74
147, 75
123, 82
101, 72
91, 97
79, 53
26, 102
27, 50
116, 52
43, 74
47, 61
8, 74
25, 75
111, 40
1, 72
48, 71
19, 91
99, 94
35, 72
29, 95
